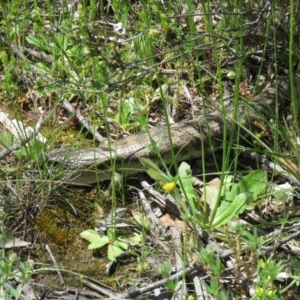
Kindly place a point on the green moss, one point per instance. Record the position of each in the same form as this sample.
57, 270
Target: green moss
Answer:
54, 227
67, 136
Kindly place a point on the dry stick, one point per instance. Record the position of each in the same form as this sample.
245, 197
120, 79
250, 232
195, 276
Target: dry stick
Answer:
200, 289
14, 147
23, 142
263, 160
188, 271
71, 290
69, 107
40, 55
60, 276
281, 242
66, 104
178, 247
195, 109
28, 291
180, 288
102, 289
275, 235
165, 202
148, 211
156, 228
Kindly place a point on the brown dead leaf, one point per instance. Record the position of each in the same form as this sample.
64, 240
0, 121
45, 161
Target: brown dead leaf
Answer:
13, 243
289, 165
169, 220
210, 192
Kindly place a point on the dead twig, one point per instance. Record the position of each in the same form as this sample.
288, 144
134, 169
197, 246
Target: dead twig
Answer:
186, 272
59, 273
24, 141
165, 202
276, 167
180, 288
104, 290
69, 107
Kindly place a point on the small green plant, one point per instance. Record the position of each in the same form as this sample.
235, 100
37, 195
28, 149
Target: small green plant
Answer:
144, 225
296, 277
165, 270
115, 245
268, 271
225, 202
236, 196
13, 272
131, 110
215, 268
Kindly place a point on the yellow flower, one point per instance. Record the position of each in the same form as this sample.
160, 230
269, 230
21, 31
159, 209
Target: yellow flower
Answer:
271, 293
259, 291
169, 186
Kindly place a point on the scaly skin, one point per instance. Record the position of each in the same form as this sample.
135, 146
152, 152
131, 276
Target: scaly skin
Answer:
86, 166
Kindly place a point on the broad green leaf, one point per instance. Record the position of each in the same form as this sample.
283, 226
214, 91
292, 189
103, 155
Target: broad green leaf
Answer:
113, 251
229, 210
237, 196
231, 74
7, 139
132, 240
38, 42
121, 244
153, 170
89, 235
99, 243
61, 42
255, 182
187, 188
96, 240
43, 68
150, 164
